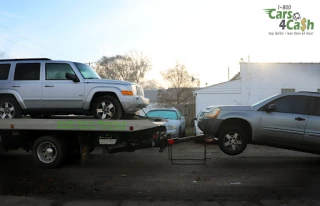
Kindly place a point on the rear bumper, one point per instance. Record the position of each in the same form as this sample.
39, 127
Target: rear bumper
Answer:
209, 126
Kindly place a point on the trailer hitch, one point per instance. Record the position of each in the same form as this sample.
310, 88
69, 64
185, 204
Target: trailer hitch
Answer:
163, 140
184, 161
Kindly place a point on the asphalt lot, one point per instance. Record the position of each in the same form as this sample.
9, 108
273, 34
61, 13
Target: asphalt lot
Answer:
259, 175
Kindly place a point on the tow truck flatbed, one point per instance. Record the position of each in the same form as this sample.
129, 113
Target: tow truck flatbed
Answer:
78, 125
53, 140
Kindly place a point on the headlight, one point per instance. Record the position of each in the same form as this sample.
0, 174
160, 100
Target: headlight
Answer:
212, 112
171, 127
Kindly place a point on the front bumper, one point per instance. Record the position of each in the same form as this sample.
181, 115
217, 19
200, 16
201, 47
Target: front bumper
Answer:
209, 126
172, 133
135, 103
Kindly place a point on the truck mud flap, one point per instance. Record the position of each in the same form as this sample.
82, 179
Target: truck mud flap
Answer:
180, 151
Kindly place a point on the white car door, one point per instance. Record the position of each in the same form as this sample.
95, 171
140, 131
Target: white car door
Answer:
27, 82
58, 91
197, 129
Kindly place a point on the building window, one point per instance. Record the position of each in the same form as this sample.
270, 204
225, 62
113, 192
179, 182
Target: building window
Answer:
287, 90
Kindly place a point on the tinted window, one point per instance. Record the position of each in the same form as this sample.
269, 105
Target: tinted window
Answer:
316, 106
4, 71
167, 114
57, 71
27, 71
293, 104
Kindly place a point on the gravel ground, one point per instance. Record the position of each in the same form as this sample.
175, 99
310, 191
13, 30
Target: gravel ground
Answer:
259, 174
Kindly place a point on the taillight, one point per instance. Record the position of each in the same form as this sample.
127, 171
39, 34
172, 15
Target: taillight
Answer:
170, 141
154, 136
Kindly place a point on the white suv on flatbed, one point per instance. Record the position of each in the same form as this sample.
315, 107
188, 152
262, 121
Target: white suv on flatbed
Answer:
43, 86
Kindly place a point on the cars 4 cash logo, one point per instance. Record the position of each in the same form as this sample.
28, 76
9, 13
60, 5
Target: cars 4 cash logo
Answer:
290, 20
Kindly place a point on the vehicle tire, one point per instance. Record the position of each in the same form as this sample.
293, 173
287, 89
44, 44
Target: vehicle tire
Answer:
233, 140
49, 152
107, 107
9, 108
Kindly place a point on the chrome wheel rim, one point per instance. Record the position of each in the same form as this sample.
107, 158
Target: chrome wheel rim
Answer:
106, 110
47, 152
232, 141
7, 110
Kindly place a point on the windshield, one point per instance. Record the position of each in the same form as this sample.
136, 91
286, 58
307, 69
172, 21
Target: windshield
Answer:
255, 104
167, 114
87, 71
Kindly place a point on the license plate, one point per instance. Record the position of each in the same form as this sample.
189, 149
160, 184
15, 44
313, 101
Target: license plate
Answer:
107, 141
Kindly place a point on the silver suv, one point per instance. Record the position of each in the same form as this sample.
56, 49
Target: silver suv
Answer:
289, 120
40, 87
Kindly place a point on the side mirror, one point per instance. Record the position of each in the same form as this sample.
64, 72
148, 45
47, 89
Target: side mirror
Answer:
271, 107
72, 77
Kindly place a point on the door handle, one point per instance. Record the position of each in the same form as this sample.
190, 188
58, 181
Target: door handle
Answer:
15, 85
299, 119
47, 85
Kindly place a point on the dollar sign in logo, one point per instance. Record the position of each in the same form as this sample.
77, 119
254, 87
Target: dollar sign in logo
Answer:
303, 23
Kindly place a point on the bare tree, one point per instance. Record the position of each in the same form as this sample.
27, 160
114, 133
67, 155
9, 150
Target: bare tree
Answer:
151, 84
131, 66
113, 67
168, 97
139, 65
181, 85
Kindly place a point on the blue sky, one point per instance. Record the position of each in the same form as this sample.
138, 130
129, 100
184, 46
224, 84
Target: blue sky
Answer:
208, 36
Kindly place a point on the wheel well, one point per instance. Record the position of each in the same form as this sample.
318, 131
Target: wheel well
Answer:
8, 95
238, 122
101, 94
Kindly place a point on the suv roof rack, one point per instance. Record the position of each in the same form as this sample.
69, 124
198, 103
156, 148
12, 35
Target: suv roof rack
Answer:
309, 92
27, 59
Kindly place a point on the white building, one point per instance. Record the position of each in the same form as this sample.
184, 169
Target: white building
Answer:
257, 81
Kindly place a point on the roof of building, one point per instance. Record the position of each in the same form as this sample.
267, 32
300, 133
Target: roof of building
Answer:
237, 76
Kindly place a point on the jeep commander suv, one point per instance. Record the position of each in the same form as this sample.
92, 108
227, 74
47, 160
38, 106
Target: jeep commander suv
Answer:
48, 87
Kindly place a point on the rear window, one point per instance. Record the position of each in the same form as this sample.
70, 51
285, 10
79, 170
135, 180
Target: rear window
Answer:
4, 71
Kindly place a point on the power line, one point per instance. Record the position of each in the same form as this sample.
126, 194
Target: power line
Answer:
27, 39
15, 43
